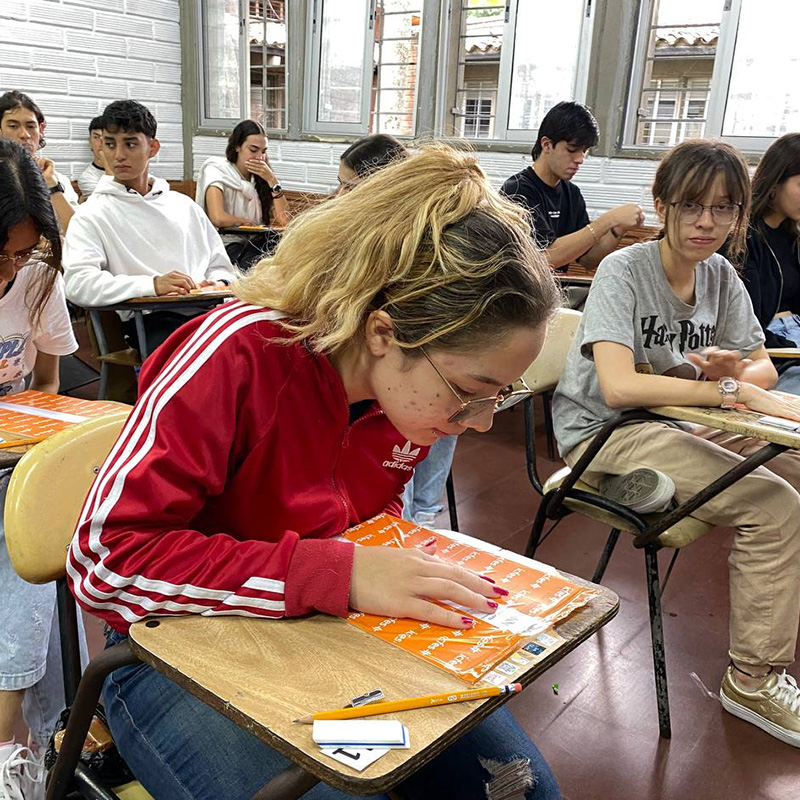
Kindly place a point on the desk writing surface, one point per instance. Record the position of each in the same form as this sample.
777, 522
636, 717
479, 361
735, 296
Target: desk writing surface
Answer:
265, 673
177, 299
741, 421
783, 352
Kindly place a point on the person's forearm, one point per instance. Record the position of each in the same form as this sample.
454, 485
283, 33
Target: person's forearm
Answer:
223, 219
605, 245
761, 372
63, 209
50, 387
645, 391
280, 212
569, 248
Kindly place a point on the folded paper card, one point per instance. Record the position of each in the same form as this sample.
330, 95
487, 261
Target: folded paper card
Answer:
360, 733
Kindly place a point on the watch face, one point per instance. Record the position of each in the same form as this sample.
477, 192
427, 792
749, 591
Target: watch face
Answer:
277, 188
728, 385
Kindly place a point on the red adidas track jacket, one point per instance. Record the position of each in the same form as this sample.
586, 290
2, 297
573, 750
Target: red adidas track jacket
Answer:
233, 471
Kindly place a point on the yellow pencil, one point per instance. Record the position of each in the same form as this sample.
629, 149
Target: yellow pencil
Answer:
411, 702
22, 442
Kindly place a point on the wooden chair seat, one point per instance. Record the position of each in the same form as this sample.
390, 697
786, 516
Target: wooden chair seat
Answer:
683, 533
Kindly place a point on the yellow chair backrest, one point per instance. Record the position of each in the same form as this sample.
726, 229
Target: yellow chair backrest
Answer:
46, 494
545, 372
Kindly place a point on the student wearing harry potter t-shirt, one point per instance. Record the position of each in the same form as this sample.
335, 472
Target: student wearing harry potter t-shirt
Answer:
670, 323
561, 224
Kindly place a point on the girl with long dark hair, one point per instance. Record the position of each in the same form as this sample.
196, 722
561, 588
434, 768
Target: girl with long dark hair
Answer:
242, 189
771, 263
35, 330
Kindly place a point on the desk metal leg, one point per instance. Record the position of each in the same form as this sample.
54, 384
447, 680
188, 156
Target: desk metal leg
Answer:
290, 784
657, 636
138, 317
451, 502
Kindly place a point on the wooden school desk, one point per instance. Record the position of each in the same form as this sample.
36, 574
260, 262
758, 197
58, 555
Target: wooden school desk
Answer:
263, 674
139, 305
742, 421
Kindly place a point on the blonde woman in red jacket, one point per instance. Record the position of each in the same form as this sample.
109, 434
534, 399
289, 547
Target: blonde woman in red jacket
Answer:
405, 306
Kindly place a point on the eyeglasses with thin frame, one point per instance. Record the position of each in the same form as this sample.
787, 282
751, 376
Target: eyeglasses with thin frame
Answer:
721, 213
23, 257
470, 409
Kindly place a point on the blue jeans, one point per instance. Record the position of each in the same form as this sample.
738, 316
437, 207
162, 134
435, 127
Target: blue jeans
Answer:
423, 492
181, 749
30, 650
789, 327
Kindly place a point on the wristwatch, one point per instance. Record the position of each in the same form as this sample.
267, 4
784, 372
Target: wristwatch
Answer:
729, 392
277, 189
58, 188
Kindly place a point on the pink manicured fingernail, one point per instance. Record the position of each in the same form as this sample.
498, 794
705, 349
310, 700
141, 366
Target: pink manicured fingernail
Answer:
491, 604
486, 578
501, 592
432, 540
468, 621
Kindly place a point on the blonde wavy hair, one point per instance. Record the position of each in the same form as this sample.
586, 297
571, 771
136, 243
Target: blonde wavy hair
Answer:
425, 239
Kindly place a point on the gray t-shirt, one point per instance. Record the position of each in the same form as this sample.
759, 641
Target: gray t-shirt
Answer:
631, 303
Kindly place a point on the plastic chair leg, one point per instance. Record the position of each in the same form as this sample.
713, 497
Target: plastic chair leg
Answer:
657, 635
605, 556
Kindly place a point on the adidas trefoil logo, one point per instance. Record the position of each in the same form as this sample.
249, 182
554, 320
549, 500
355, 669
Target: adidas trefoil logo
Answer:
402, 456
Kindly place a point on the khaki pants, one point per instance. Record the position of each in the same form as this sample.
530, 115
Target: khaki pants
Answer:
763, 507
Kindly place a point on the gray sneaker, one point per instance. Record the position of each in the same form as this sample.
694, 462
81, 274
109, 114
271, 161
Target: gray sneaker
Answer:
644, 490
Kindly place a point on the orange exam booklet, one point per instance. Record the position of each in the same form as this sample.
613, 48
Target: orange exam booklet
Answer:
536, 601
30, 413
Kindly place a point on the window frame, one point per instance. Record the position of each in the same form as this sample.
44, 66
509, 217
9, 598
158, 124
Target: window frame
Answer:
209, 124
719, 86
313, 39
451, 121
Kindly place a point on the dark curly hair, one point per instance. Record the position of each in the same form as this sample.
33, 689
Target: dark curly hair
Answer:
24, 196
129, 116
15, 99
249, 127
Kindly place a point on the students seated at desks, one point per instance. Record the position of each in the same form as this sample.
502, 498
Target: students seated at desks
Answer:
241, 189
35, 330
136, 238
771, 259
669, 322
89, 178
22, 120
367, 155
558, 212
277, 434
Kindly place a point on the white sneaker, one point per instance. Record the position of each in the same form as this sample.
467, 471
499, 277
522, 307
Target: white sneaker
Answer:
21, 773
644, 490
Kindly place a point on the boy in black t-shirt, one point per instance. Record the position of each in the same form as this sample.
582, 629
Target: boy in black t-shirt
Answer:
560, 222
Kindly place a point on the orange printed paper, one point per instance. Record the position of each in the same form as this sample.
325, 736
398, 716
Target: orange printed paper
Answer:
537, 600
31, 413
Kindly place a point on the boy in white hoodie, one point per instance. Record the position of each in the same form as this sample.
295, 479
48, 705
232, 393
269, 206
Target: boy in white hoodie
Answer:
134, 237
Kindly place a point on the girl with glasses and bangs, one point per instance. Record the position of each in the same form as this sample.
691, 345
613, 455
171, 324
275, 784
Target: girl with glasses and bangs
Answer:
388, 317
669, 322
35, 330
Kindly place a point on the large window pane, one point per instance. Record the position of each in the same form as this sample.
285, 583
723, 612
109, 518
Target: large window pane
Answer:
676, 75
397, 30
267, 41
341, 61
543, 71
764, 91
222, 78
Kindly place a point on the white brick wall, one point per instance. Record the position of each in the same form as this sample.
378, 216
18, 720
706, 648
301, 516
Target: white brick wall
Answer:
312, 167
76, 56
